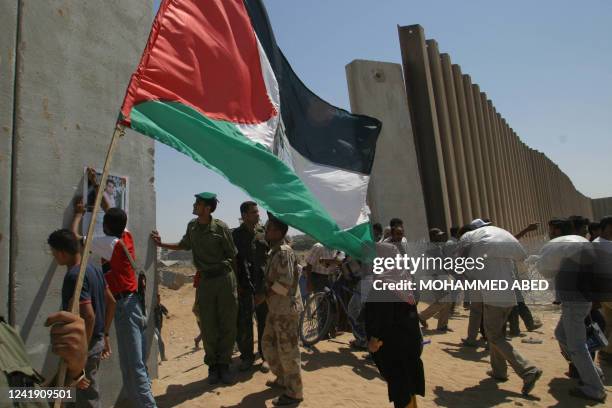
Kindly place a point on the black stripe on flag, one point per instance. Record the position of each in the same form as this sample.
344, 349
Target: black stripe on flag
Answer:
319, 131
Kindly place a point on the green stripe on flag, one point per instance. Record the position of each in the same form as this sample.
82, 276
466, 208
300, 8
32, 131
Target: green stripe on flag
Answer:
221, 146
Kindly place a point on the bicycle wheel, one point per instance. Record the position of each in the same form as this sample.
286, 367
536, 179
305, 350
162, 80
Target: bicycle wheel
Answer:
316, 319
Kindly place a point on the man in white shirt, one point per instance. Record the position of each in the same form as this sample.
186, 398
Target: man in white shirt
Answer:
568, 259
321, 263
499, 250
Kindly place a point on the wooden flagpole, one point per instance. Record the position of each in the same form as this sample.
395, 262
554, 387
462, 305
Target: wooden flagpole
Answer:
74, 305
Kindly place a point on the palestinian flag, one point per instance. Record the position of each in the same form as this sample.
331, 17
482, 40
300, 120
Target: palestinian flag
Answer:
213, 84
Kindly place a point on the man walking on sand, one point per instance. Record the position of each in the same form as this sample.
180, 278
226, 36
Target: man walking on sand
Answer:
499, 250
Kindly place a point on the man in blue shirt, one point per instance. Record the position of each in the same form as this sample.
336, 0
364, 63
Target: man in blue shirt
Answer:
96, 307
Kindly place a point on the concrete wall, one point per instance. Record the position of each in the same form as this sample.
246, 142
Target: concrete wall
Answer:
471, 162
74, 62
8, 22
377, 89
601, 207
424, 117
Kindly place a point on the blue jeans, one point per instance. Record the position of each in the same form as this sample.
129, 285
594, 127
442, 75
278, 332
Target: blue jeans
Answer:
354, 308
571, 335
130, 326
90, 397
303, 289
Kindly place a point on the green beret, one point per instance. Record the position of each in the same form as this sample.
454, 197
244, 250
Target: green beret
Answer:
206, 196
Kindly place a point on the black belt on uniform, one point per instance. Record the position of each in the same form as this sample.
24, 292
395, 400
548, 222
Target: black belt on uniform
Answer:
122, 295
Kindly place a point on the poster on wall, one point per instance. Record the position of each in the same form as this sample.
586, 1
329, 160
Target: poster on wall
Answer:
115, 194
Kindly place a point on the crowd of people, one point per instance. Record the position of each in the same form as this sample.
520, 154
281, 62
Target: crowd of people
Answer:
251, 272
577, 261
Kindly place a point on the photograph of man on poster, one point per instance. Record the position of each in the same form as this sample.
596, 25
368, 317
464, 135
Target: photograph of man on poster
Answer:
115, 195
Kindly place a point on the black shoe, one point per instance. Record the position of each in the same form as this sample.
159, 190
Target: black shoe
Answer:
246, 364
496, 378
226, 376
285, 400
213, 375
578, 393
469, 343
535, 326
358, 345
529, 381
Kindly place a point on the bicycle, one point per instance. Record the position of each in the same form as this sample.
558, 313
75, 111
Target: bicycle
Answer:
320, 313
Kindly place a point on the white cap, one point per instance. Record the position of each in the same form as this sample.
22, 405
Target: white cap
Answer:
478, 223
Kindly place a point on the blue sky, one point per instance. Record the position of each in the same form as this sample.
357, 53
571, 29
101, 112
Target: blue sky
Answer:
547, 66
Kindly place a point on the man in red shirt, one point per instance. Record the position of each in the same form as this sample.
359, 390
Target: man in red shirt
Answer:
130, 321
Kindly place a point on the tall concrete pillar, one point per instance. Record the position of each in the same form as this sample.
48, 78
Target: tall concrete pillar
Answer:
478, 155
468, 144
528, 186
538, 176
572, 190
446, 137
537, 187
8, 44
495, 162
557, 210
421, 102
531, 204
484, 134
520, 180
530, 182
501, 165
512, 175
502, 155
530, 177
377, 89
569, 194
561, 189
548, 187
457, 139
553, 190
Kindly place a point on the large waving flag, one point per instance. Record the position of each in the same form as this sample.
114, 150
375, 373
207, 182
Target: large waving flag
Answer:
213, 84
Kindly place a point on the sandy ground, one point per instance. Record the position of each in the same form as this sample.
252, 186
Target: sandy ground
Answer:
336, 376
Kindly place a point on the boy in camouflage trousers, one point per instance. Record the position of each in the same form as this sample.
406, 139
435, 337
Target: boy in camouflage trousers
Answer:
280, 338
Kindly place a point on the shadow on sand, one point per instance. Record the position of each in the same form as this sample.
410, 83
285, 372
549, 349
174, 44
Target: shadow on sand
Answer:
178, 393
484, 395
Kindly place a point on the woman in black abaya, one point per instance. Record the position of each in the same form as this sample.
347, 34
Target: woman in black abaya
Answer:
395, 341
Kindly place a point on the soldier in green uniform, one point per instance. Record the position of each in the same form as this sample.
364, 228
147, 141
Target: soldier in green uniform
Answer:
250, 241
214, 256
280, 338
